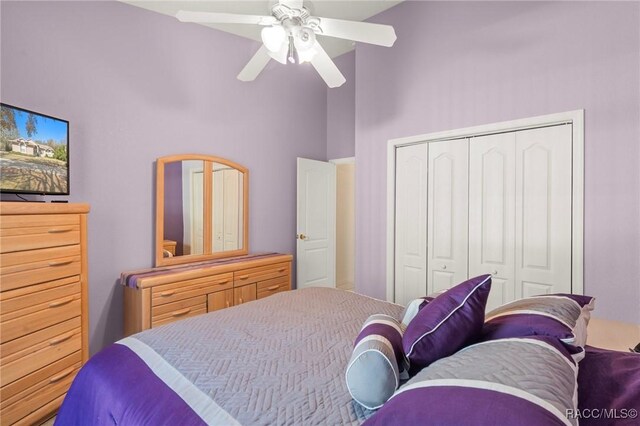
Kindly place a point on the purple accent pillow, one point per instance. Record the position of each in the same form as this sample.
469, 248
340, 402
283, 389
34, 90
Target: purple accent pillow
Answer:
609, 380
448, 322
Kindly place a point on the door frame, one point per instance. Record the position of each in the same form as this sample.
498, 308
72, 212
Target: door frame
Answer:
575, 118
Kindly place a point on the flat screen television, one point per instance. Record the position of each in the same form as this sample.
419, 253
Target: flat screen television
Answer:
34, 152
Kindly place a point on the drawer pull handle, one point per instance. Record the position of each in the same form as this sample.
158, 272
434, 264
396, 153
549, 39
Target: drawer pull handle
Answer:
62, 375
168, 293
59, 230
243, 277
273, 287
282, 269
182, 312
223, 282
61, 339
61, 302
60, 262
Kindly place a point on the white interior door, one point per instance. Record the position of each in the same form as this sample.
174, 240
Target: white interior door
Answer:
492, 213
411, 223
543, 211
448, 214
316, 217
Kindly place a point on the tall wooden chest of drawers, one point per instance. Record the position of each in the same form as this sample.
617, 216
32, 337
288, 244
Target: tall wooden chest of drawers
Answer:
43, 306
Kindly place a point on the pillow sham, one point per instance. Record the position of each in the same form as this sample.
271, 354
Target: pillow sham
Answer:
377, 362
563, 316
526, 381
446, 323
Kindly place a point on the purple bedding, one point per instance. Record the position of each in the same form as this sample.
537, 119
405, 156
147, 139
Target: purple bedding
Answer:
99, 393
609, 380
292, 372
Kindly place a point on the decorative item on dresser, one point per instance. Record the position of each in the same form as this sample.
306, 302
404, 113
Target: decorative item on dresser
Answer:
43, 306
158, 296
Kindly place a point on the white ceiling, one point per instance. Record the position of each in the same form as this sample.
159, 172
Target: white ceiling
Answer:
356, 10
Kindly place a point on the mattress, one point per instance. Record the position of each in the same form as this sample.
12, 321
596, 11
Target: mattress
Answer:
279, 360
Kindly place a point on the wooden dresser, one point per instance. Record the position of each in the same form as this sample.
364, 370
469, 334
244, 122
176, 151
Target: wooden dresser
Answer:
43, 306
161, 295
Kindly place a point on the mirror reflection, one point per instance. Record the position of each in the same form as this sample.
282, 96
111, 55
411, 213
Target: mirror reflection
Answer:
203, 211
227, 208
183, 208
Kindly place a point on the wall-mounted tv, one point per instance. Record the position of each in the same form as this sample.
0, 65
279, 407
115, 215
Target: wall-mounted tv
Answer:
34, 152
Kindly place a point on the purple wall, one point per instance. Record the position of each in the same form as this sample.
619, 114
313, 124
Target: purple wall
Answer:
173, 220
137, 85
341, 111
462, 64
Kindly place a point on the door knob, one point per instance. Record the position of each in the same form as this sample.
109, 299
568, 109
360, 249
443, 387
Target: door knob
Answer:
444, 266
494, 273
301, 236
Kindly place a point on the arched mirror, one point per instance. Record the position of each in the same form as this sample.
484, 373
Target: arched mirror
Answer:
201, 209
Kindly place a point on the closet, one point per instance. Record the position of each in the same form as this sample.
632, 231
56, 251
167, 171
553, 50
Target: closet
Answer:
495, 203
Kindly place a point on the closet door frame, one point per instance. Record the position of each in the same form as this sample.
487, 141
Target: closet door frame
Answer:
575, 118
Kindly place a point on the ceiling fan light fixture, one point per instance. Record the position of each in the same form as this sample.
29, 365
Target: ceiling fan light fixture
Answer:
304, 38
306, 55
273, 37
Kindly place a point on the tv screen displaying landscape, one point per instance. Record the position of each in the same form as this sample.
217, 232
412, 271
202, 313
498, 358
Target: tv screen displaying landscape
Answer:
34, 152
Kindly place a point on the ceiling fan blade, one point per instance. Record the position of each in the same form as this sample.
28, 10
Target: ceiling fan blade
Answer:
292, 4
255, 65
326, 68
224, 18
364, 32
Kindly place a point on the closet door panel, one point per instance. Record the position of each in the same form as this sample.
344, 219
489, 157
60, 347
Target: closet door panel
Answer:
492, 213
448, 207
543, 211
411, 223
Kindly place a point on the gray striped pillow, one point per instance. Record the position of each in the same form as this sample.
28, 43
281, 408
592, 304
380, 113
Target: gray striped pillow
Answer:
377, 362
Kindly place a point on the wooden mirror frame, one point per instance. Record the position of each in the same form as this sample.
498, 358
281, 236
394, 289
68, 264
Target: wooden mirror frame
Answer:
207, 160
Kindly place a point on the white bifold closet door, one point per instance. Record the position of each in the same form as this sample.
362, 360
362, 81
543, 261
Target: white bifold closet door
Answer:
448, 214
492, 190
520, 212
543, 211
411, 223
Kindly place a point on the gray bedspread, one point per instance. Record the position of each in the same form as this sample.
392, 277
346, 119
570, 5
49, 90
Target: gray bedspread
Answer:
279, 360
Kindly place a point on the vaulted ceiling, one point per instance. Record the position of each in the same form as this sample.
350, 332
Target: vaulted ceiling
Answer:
356, 10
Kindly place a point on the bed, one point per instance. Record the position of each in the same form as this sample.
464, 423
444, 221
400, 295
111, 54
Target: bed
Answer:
280, 360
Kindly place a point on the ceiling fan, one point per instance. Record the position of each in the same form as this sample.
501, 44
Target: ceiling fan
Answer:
289, 35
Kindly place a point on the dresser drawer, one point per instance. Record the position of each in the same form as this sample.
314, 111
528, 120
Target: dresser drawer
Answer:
21, 269
39, 355
49, 307
178, 310
261, 273
18, 233
187, 289
272, 286
42, 385
17, 348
